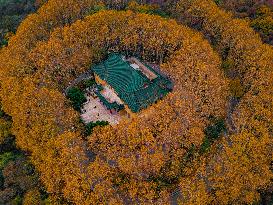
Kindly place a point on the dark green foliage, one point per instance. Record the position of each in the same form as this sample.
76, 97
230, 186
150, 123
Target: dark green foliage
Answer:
6, 158
19, 176
86, 84
90, 126
96, 9
12, 12
1, 181
77, 98
7, 140
158, 12
8, 144
218, 2
149, 9
89, 83
212, 132
205, 145
3, 43
17, 201
164, 181
10, 22
1, 112
16, 6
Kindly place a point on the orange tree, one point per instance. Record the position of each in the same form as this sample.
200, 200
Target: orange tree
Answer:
183, 114
247, 153
136, 160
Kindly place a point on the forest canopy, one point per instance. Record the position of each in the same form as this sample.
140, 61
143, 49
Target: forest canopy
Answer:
209, 141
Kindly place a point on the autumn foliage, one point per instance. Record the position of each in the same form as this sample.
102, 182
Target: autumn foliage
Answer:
154, 156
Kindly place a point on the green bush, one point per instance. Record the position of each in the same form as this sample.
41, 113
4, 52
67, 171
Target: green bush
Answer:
6, 158
218, 2
205, 145
86, 83
1, 111
17, 200
96, 9
89, 83
10, 22
90, 126
77, 98
147, 9
212, 132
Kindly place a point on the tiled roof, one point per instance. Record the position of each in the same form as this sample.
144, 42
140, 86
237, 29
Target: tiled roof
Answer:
131, 85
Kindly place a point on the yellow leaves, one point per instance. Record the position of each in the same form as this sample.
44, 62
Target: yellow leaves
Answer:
144, 146
240, 168
255, 113
32, 197
199, 76
47, 57
196, 135
40, 112
114, 201
250, 196
245, 46
193, 192
140, 192
143, 163
236, 88
63, 166
235, 170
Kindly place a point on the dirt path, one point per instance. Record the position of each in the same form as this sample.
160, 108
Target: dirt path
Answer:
233, 102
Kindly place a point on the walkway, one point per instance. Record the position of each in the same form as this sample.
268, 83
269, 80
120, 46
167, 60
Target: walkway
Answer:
93, 110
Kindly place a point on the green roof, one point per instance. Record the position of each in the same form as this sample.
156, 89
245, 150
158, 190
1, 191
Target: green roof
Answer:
131, 85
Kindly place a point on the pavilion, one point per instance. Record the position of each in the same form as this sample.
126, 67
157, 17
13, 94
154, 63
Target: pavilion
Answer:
129, 83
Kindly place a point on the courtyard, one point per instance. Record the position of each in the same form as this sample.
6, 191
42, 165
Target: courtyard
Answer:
93, 110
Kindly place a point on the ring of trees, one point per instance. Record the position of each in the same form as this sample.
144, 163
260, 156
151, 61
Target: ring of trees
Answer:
142, 160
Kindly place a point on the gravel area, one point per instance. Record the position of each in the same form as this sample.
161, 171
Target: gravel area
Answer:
93, 110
